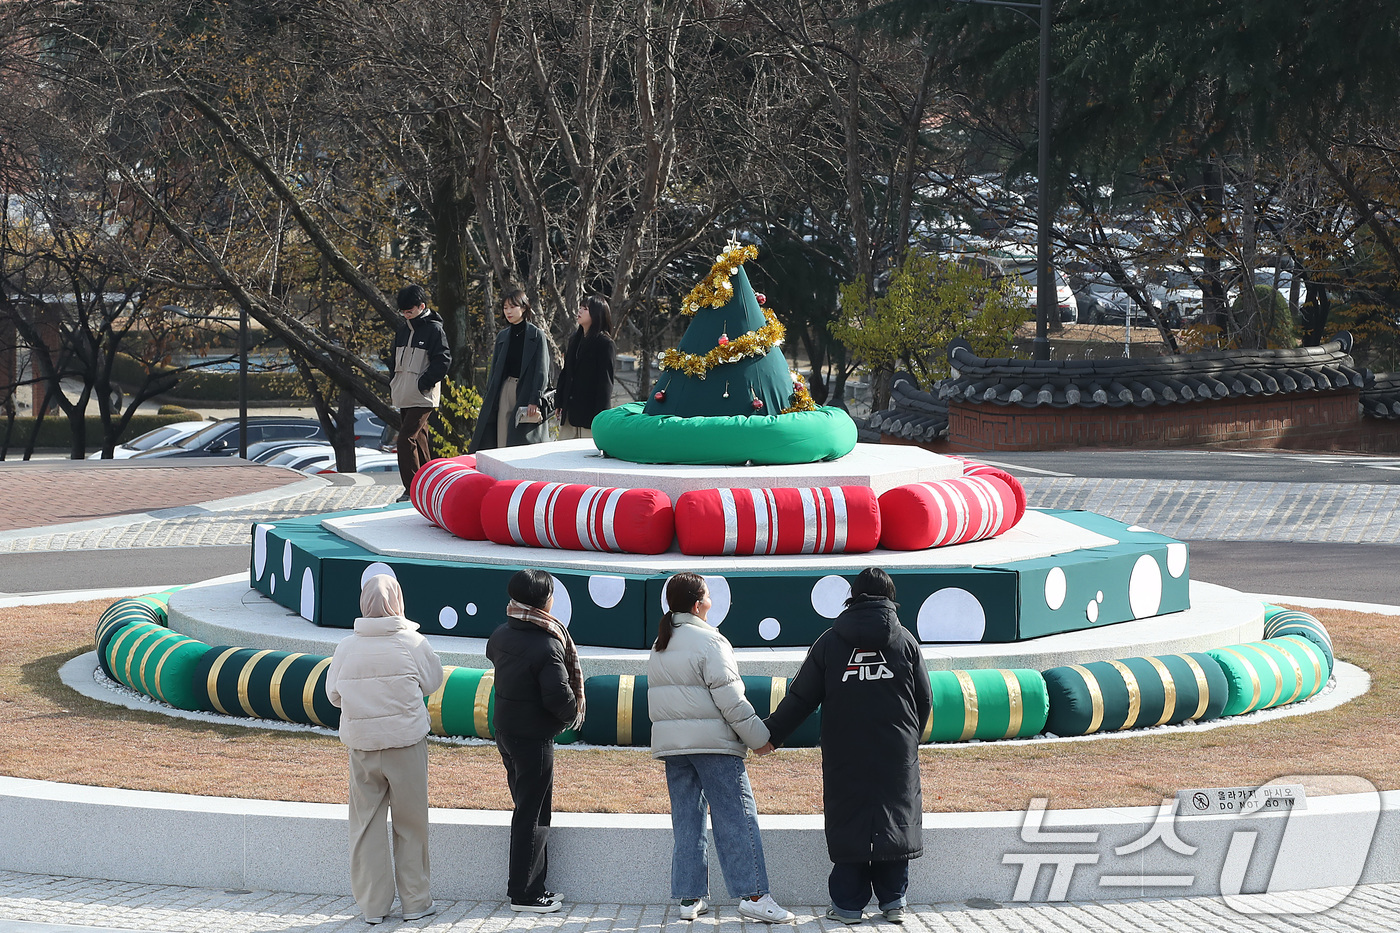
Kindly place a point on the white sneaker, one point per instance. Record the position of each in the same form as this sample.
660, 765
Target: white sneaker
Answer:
694, 909
765, 909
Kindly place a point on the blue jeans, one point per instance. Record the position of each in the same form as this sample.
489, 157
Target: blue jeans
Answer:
851, 884
719, 784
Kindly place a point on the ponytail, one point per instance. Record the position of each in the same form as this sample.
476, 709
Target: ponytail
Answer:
684, 589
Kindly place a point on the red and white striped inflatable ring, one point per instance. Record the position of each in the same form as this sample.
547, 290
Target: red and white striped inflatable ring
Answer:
973, 468
949, 511
578, 518
448, 493
811, 520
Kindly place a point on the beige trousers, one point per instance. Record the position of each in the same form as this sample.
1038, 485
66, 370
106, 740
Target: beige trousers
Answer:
568, 432
505, 410
397, 779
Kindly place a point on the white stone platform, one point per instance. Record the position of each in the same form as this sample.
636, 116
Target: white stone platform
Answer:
226, 611
403, 533
878, 466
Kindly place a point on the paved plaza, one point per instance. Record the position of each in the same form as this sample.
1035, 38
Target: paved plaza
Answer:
60, 509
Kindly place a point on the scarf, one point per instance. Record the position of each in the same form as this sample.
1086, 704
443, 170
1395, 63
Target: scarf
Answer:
553, 626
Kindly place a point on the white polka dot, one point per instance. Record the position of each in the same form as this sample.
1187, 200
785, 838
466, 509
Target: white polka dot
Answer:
1091, 611
471, 609
1099, 596
719, 600
448, 617
952, 614
1055, 588
260, 550
272, 584
770, 629
829, 596
563, 606
376, 569
1145, 587
606, 590
287, 560
308, 595
1176, 559
1138, 528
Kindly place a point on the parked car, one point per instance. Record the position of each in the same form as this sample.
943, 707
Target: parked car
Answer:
311, 456
1101, 300
162, 436
364, 463
220, 439
368, 425
263, 451
1177, 294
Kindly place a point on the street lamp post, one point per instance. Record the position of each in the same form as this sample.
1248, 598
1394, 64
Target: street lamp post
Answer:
1045, 303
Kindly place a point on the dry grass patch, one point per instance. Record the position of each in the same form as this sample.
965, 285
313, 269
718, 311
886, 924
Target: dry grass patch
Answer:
48, 732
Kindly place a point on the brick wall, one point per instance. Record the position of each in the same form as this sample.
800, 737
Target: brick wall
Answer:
1303, 420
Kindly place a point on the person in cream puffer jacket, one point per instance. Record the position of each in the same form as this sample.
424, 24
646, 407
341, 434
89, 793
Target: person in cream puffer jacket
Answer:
379, 677
702, 726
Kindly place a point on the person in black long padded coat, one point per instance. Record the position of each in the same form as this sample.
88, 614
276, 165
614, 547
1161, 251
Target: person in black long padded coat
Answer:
868, 675
586, 380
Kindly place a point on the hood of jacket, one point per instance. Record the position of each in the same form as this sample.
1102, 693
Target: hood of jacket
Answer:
383, 625
868, 622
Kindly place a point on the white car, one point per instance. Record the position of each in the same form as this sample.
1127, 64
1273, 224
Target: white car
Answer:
159, 437
376, 462
314, 456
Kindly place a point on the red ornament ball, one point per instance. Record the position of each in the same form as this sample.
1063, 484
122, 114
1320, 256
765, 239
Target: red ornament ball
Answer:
660, 395
758, 404
723, 339
762, 298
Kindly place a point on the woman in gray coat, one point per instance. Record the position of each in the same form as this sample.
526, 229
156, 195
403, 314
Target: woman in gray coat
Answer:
702, 727
519, 374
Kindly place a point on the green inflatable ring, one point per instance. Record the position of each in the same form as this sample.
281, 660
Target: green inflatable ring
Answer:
797, 437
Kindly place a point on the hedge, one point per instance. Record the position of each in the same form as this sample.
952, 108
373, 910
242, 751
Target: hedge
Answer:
54, 432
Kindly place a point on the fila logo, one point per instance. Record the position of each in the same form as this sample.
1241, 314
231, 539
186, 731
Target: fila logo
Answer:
867, 665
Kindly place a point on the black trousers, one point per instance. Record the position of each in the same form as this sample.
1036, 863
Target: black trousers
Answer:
413, 442
530, 774
851, 883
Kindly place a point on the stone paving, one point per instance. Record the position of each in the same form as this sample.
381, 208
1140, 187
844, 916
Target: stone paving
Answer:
82, 904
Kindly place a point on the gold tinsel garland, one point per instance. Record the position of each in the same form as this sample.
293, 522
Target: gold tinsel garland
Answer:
715, 290
801, 399
754, 343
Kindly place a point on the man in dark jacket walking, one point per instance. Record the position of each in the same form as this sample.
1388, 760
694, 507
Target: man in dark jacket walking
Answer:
539, 693
868, 675
419, 362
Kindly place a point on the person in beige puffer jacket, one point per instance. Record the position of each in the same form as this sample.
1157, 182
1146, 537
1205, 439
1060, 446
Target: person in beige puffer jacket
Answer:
702, 726
379, 677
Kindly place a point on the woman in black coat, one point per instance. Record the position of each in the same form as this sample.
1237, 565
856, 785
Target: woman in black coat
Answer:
868, 675
518, 376
586, 381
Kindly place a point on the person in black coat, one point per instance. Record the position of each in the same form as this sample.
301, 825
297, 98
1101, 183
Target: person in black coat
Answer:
586, 380
539, 693
518, 376
867, 674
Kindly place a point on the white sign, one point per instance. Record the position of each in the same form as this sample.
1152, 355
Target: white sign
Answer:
1241, 801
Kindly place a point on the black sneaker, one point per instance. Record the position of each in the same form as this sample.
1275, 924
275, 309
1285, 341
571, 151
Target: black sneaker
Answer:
538, 905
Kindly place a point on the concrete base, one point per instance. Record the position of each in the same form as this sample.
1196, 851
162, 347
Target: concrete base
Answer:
226, 611
879, 467
122, 835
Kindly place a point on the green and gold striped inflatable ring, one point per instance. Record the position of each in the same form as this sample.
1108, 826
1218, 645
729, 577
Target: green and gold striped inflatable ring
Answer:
265, 684
1279, 621
985, 704
1108, 696
1276, 672
153, 660
617, 710
465, 704
765, 693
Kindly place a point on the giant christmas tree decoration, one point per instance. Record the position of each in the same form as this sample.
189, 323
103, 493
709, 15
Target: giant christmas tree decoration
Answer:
725, 394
